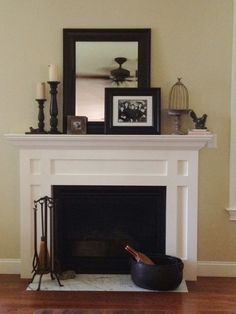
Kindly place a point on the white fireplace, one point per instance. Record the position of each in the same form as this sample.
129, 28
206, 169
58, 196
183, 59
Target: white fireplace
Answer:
135, 160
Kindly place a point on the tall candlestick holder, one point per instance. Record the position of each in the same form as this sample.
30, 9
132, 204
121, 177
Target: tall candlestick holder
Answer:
40, 129
53, 107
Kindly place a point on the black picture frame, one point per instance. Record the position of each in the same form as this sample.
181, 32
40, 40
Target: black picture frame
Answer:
73, 35
132, 110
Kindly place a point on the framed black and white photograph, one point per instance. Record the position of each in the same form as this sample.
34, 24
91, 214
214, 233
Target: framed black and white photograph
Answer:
76, 125
132, 110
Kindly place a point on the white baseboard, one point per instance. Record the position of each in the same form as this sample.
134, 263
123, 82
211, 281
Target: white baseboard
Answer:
216, 269
9, 266
205, 268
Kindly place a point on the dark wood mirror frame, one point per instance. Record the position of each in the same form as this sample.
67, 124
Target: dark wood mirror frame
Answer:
71, 36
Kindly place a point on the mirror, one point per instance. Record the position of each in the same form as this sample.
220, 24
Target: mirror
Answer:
97, 58
98, 66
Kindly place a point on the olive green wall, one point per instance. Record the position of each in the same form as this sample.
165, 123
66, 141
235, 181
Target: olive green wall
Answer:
190, 38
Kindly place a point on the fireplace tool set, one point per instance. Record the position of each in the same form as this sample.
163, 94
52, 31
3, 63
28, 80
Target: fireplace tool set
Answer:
43, 260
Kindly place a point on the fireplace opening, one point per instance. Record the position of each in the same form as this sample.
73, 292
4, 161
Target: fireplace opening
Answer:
94, 223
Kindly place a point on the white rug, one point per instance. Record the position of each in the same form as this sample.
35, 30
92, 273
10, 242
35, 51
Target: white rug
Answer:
93, 282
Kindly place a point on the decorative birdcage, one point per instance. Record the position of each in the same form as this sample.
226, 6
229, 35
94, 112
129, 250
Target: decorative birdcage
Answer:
178, 104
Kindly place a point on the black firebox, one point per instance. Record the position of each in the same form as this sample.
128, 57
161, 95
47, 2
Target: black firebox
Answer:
94, 223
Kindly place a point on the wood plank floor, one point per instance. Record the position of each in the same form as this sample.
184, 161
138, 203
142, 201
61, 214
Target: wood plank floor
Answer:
206, 296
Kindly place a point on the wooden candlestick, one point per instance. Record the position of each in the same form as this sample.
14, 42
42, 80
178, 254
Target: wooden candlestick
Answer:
40, 129
53, 107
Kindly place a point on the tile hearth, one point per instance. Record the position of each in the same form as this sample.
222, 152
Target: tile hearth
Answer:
95, 282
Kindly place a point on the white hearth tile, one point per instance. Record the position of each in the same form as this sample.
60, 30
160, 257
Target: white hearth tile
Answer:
95, 282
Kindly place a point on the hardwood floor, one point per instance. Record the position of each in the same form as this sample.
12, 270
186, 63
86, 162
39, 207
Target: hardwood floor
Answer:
206, 296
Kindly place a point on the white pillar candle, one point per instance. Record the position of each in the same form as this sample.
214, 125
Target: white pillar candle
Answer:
40, 91
53, 73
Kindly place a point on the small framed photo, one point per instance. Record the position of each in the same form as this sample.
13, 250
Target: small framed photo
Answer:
132, 110
76, 125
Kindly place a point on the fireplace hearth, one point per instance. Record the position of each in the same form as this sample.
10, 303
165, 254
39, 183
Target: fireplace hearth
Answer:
94, 223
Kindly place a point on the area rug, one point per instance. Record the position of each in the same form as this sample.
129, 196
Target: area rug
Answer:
100, 311
93, 282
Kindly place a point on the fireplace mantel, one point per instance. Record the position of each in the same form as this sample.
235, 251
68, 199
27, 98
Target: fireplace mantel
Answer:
135, 160
66, 141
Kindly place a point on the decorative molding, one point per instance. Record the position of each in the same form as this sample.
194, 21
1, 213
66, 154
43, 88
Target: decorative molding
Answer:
216, 269
65, 141
10, 266
232, 213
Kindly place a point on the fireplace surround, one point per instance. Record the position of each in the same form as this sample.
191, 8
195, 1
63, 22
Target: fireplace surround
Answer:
115, 160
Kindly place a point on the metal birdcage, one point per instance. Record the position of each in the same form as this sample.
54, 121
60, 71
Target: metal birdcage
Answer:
178, 104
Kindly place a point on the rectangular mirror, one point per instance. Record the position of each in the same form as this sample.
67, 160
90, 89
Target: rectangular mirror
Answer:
97, 58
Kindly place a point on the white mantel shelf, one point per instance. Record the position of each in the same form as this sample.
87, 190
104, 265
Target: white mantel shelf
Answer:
65, 141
